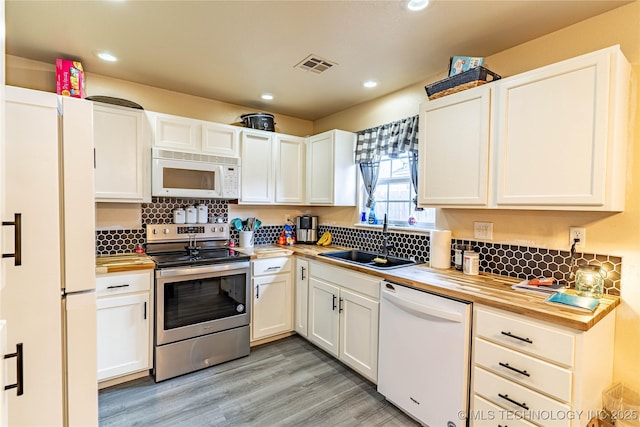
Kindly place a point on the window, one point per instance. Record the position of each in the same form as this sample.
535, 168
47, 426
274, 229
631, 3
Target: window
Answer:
394, 196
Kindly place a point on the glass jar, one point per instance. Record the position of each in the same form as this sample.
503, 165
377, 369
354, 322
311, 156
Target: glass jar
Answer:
590, 281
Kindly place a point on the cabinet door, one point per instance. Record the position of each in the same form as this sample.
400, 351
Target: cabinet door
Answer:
271, 312
290, 172
31, 301
552, 133
323, 315
454, 149
123, 335
122, 155
301, 296
257, 170
359, 333
180, 133
320, 169
220, 139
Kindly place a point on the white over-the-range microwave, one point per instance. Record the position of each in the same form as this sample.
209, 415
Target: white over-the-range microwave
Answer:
181, 174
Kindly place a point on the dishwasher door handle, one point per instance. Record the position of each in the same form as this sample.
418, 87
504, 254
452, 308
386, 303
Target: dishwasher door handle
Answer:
421, 310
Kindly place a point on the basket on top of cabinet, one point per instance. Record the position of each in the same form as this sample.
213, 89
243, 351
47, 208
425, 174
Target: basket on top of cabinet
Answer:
474, 77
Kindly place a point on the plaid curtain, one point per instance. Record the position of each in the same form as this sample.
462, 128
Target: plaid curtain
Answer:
390, 139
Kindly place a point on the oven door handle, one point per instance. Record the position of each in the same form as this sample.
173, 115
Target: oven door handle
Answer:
186, 271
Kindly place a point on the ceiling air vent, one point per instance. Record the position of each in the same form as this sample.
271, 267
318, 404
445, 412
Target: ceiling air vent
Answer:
315, 64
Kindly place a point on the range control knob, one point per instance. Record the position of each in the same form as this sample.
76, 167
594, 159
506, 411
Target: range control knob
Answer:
166, 231
155, 231
221, 229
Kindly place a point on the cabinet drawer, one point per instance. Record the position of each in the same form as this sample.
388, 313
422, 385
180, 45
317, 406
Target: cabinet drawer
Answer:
487, 414
274, 265
122, 283
533, 406
358, 282
526, 370
526, 336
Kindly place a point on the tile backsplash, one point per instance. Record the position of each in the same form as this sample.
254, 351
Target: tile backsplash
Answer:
496, 258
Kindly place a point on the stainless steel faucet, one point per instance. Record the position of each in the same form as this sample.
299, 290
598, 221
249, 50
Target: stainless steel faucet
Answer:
386, 246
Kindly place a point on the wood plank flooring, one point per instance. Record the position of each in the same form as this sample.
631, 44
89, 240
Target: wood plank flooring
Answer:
285, 383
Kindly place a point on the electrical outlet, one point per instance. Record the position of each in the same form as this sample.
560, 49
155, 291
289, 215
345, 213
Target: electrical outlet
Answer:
483, 230
287, 218
578, 233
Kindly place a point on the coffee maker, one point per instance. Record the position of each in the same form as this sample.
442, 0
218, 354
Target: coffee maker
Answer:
307, 229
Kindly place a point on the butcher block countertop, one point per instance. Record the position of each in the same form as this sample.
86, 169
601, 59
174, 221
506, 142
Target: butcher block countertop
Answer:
123, 262
486, 289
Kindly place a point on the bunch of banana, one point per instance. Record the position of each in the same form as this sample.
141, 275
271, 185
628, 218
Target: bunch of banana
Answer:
325, 239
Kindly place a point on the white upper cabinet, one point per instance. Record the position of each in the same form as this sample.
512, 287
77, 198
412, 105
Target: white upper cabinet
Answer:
290, 169
123, 161
554, 138
561, 134
453, 159
258, 165
331, 169
185, 134
220, 139
273, 167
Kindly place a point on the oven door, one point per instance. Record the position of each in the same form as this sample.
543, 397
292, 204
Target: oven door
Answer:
196, 301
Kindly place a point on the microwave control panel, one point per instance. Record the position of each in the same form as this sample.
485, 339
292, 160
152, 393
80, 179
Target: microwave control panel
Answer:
231, 181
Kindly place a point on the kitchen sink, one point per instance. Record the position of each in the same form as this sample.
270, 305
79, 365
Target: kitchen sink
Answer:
366, 259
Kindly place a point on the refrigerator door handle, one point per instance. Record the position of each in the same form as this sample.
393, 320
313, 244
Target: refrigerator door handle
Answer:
19, 385
17, 254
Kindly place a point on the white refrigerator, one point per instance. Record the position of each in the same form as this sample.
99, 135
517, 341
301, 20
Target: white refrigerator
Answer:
48, 246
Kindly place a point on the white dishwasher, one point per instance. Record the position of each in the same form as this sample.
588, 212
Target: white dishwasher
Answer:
424, 355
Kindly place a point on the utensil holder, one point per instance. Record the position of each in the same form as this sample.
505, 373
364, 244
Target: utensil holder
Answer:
246, 239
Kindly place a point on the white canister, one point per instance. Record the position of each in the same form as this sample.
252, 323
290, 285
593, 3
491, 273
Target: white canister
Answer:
203, 214
471, 263
179, 216
192, 214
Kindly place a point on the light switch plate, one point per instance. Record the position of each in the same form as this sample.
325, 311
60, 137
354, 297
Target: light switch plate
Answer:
483, 230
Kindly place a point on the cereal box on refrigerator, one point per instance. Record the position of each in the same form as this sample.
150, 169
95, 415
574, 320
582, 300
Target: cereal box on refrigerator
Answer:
70, 80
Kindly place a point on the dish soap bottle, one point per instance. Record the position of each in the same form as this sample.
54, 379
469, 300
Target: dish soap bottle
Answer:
372, 214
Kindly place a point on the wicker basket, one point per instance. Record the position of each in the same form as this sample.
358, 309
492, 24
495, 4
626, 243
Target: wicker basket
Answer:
472, 78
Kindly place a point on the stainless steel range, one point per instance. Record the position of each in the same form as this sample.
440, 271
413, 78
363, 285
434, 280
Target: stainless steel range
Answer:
202, 291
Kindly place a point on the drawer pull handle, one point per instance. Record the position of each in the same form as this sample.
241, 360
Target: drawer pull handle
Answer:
19, 385
273, 268
118, 286
509, 334
507, 398
17, 237
506, 365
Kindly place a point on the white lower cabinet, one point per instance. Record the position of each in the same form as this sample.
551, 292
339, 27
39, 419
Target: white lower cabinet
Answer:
528, 372
343, 316
272, 301
124, 323
301, 296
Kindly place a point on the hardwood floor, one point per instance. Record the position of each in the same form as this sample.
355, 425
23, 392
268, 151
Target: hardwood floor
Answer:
286, 383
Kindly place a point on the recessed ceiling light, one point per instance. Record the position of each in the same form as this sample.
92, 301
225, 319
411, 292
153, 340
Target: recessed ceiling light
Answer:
415, 5
266, 96
370, 84
106, 56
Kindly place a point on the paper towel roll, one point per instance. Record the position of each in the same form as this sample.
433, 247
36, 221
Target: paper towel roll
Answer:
440, 249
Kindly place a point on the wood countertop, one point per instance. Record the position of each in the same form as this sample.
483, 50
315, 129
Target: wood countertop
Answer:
123, 262
486, 289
